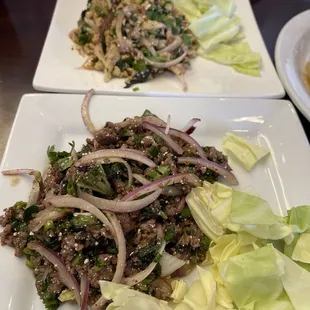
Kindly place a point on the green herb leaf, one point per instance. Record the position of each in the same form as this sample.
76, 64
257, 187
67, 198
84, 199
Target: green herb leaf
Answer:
186, 212
139, 65
96, 180
29, 212
205, 243
153, 151
169, 233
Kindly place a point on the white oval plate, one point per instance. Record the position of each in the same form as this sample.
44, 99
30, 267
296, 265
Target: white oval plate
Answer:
291, 55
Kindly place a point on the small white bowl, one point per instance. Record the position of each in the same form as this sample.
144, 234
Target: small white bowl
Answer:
291, 55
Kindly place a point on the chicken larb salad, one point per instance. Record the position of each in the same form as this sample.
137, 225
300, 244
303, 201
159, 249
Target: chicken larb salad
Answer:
135, 40
114, 211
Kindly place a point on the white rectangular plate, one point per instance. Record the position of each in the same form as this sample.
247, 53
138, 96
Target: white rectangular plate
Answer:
58, 71
46, 119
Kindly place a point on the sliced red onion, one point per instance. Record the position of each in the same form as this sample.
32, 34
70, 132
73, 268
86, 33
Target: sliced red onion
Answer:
120, 206
102, 154
139, 277
169, 264
189, 127
149, 46
84, 291
105, 24
168, 124
178, 210
78, 203
140, 178
160, 183
124, 44
121, 245
85, 113
170, 191
173, 145
154, 120
48, 214
67, 278
173, 46
229, 176
168, 64
190, 140
121, 257
119, 160
36, 184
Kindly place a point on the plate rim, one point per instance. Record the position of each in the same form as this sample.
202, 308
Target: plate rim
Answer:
280, 67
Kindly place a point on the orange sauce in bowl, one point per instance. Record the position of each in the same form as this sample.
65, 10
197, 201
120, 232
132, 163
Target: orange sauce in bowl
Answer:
306, 77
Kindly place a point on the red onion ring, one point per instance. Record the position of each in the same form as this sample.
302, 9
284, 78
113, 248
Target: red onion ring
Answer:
154, 120
168, 124
121, 244
189, 127
190, 140
67, 278
160, 183
119, 160
105, 24
168, 64
85, 113
178, 210
140, 276
120, 206
78, 203
229, 176
173, 46
140, 178
48, 214
84, 291
102, 154
36, 184
173, 145
170, 191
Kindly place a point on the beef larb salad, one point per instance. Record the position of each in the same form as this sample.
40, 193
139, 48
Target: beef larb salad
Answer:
114, 211
135, 40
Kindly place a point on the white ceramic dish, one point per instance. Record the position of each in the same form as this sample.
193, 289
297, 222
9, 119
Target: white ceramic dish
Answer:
58, 71
46, 119
291, 55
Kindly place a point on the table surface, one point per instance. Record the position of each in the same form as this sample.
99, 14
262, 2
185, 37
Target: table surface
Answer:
23, 27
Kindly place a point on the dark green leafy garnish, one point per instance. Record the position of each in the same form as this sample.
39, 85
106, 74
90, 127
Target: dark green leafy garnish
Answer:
205, 243
96, 180
29, 212
62, 160
169, 233
153, 151
185, 212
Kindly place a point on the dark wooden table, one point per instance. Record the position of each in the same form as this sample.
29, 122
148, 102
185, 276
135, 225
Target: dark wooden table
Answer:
24, 24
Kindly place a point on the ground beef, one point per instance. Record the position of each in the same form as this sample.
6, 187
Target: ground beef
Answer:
128, 221
52, 180
15, 237
186, 239
106, 136
218, 157
146, 233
